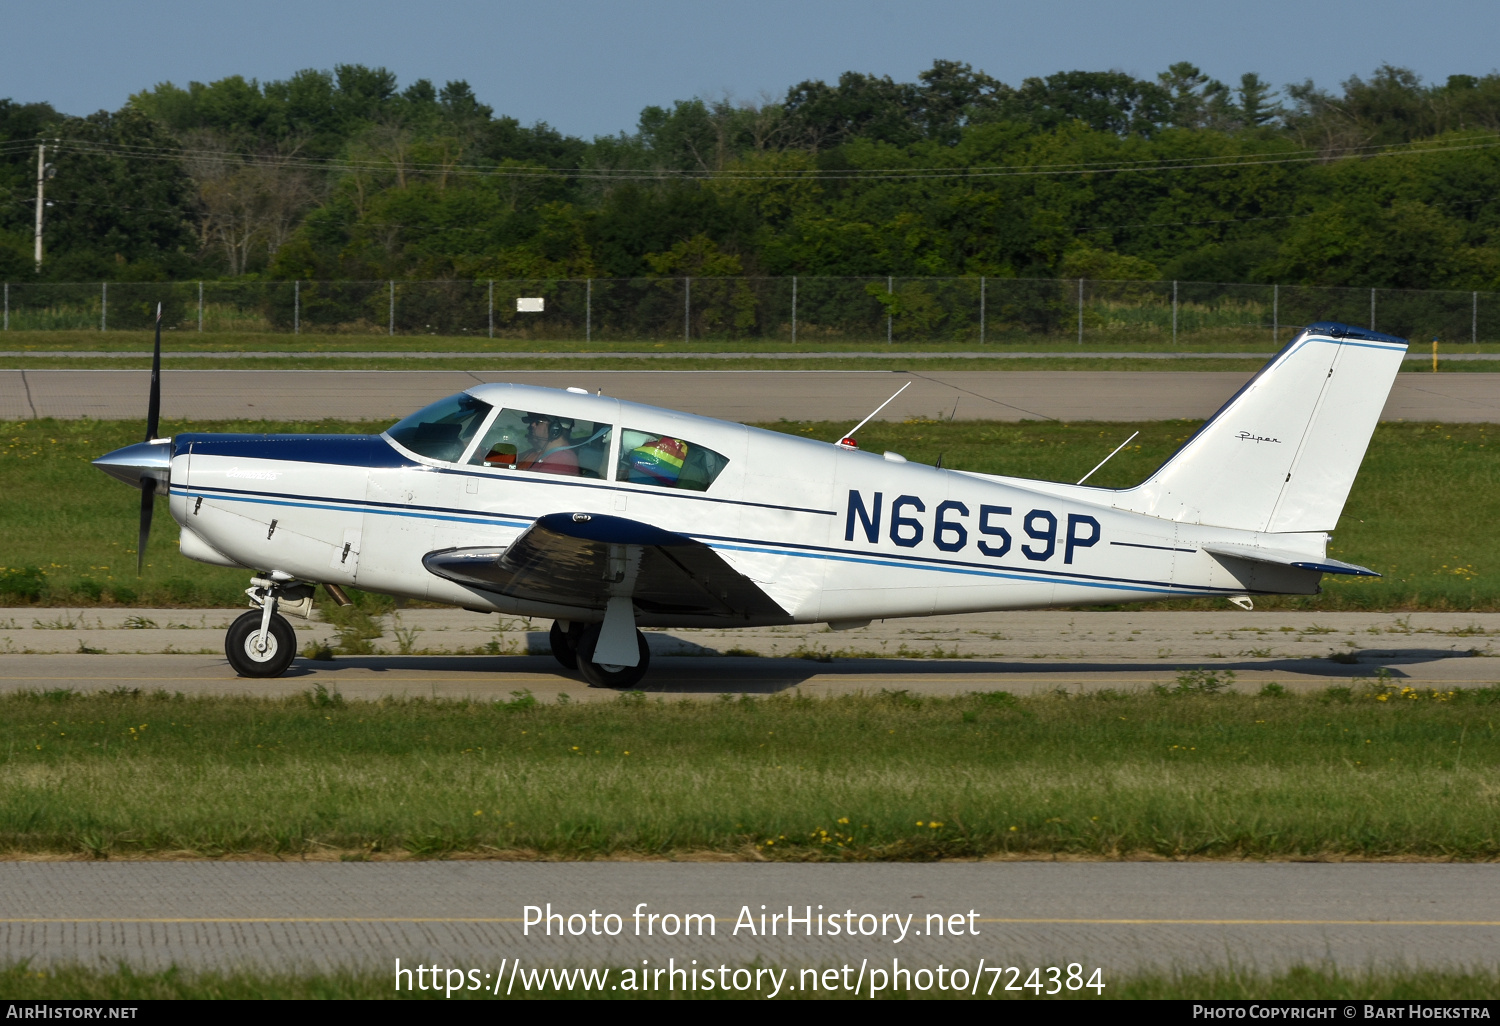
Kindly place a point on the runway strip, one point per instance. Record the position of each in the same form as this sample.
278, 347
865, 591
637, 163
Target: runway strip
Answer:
1021, 652
727, 394
1118, 917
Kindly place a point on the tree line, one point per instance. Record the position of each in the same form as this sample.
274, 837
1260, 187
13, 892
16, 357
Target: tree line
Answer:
342, 174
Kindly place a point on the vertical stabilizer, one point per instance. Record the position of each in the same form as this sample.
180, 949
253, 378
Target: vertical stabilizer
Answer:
1281, 455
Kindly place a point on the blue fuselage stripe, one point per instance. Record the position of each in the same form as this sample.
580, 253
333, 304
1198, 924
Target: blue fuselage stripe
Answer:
730, 544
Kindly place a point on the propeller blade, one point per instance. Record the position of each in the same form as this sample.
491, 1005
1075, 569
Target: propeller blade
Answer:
153, 407
148, 506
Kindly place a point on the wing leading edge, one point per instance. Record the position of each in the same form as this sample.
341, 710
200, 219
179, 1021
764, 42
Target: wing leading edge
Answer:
582, 559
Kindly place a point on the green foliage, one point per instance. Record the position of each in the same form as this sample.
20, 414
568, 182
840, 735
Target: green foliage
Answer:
342, 174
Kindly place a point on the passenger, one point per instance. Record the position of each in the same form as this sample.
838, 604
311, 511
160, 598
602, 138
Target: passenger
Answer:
657, 461
551, 443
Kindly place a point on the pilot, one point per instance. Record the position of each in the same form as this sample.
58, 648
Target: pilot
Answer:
551, 445
657, 461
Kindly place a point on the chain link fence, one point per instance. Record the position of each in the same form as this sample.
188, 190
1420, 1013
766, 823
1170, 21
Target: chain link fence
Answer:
805, 311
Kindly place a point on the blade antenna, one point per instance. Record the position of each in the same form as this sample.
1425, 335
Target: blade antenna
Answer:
153, 418
153, 406
1106, 459
850, 434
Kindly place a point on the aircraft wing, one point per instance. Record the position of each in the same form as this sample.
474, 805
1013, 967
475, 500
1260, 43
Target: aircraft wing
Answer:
1279, 558
581, 559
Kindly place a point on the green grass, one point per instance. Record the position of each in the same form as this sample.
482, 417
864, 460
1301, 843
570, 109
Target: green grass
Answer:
490, 362
22, 983
1422, 510
1095, 342
1362, 772
91, 340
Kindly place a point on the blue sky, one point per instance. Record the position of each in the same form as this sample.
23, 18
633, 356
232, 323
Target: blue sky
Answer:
589, 66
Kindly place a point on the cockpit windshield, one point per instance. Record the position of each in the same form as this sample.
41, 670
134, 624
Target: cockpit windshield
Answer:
443, 430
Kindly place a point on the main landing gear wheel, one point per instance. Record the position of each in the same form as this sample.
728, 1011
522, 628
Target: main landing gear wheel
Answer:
565, 643
605, 675
252, 657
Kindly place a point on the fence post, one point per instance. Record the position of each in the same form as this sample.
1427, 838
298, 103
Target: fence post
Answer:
1080, 311
1372, 309
588, 310
391, 316
297, 307
1275, 315
687, 309
890, 290
491, 307
981, 309
7, 306
1174, 312
200, 306
104, 306
1473, 325
794, 309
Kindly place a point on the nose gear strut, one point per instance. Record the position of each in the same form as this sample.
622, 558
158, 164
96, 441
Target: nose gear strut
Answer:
261, 643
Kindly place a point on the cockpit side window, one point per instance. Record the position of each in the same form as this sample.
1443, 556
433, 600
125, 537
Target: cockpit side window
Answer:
647, 457
443, 430
545, 443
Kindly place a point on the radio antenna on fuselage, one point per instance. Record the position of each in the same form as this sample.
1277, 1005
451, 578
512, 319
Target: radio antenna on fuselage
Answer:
1106, 459
849, 435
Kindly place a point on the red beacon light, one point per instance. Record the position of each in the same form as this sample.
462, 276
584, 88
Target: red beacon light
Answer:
847, 443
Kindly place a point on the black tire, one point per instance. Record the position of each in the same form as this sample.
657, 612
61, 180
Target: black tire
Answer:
564, 645
606, 676
239, 646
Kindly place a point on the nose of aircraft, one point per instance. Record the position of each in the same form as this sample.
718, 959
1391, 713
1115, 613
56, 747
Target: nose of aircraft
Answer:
135, 463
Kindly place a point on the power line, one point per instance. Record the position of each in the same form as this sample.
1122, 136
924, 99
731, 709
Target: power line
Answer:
387, 166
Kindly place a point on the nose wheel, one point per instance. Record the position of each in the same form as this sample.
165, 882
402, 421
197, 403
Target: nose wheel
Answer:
261, 643
260, 649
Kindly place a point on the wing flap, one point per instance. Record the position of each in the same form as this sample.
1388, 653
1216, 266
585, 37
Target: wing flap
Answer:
580, 559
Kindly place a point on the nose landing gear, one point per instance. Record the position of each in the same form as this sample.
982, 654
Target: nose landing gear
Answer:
261, 643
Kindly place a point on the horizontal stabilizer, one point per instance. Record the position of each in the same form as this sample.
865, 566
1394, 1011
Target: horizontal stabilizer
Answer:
1279, 558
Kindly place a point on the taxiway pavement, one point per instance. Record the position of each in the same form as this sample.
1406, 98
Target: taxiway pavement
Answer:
726, 394
454, 653
1118, 917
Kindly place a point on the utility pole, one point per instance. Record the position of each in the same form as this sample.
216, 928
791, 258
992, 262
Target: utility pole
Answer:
41, 177
44, 171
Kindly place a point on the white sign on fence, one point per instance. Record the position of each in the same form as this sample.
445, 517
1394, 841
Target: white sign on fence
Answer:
529, 305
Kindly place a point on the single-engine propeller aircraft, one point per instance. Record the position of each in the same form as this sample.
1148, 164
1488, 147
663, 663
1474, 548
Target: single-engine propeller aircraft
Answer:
606, 516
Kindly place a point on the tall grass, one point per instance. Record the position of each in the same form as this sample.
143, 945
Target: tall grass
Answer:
22, 983
1368, 772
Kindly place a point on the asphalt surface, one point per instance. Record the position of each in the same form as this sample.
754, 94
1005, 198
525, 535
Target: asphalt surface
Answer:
728, 394
1021, 652
1118, 917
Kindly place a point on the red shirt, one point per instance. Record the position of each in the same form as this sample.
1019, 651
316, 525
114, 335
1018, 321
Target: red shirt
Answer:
551, 461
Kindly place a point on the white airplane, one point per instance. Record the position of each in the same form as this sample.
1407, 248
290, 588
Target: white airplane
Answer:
606, 516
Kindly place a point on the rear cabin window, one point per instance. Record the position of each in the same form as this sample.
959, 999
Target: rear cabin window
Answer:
545, 443
443, 430
647, 457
